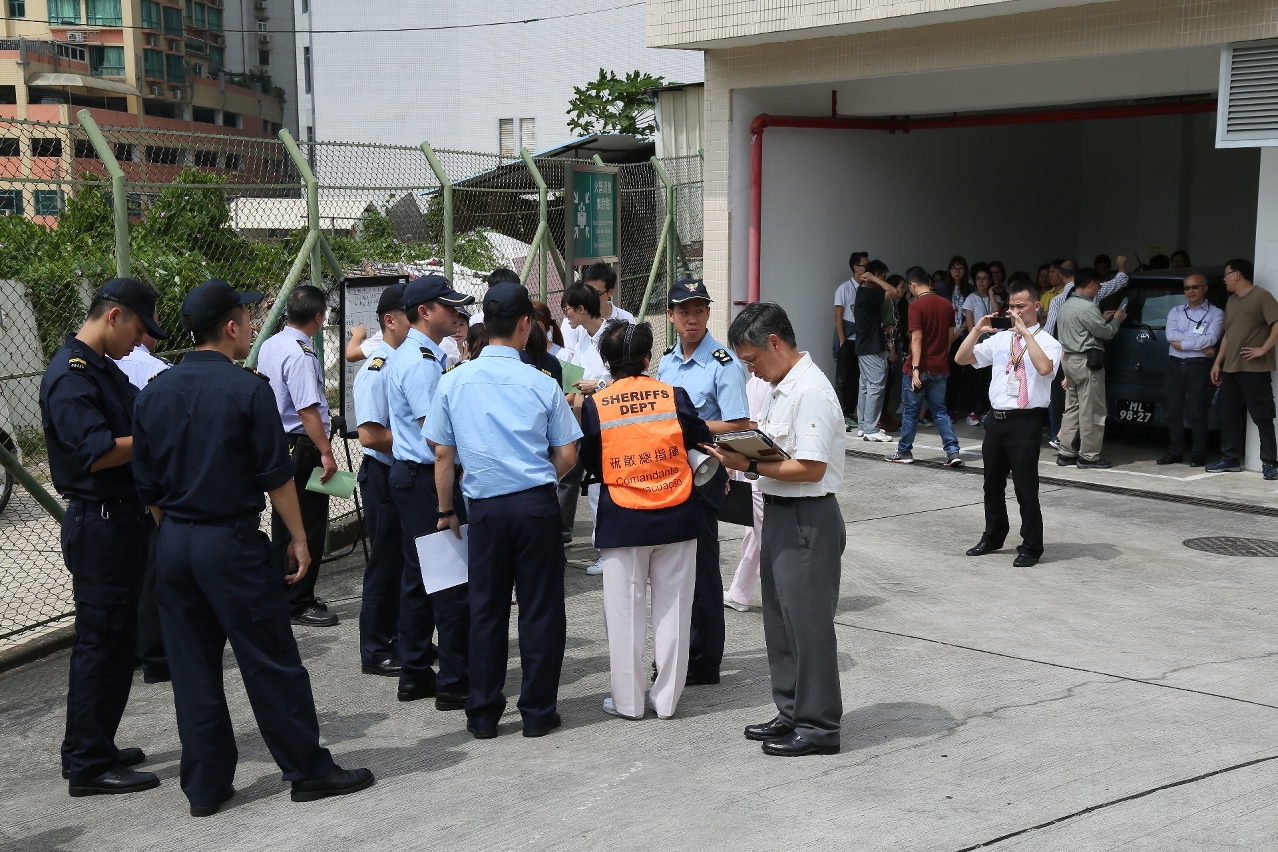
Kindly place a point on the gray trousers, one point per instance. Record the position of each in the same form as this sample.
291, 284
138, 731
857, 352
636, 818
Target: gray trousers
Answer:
1084, 417
568, 490
799, 568
873, 390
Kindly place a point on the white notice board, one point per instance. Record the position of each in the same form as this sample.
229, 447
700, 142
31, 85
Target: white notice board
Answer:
359, 306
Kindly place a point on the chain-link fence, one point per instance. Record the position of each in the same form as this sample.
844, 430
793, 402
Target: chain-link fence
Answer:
235, 207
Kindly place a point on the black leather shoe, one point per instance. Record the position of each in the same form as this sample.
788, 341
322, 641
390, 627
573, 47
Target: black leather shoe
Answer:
794, 745
451, 700
554, 722
984, 546
480, 733
1198, 460
316, 617
699, 680
389, 667
125, 757
1066, 461
118, 779
416, 691
768, 730
1171, 458
1024, 560
156, 676
338, 782
209, 810
1098, 464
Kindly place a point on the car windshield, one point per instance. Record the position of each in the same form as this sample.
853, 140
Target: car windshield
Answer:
1150, 305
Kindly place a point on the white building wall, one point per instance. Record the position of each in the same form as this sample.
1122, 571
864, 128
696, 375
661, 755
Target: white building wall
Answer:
451, 86
242, 46
1266, 260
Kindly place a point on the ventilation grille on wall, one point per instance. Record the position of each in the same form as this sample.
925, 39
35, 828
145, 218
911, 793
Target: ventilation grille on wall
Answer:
1248, 95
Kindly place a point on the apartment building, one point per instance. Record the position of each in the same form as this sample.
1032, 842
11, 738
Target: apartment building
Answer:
260, 38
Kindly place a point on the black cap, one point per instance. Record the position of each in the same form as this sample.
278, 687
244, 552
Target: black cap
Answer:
211, 301
507, 300
136, 296
392, 300
434, 288
688, 288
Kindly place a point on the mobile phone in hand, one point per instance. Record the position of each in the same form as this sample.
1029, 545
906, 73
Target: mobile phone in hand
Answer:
1003, 322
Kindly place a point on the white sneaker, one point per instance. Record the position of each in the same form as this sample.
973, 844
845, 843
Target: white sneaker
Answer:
973, 420
860, 433
654, 710
596, 569
879, 437
610, 707
739, 607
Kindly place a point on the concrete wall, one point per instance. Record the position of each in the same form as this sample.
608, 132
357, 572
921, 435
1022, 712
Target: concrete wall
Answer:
1266, 259
1020, 194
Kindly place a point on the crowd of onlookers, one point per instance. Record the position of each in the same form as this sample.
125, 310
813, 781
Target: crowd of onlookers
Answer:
873, 345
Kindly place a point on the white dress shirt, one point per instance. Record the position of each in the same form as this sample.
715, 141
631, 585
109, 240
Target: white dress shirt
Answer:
996, 350
572, 336
588, 358
802, 414
141, 366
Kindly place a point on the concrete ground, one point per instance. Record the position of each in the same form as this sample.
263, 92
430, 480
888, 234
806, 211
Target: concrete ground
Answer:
1120, 694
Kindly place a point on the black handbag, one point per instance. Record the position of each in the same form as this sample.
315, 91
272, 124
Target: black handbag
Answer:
1095, 359
738, 504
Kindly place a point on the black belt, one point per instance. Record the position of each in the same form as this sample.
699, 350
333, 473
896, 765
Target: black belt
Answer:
299, 438
251, 517
776, 500
1011, 413
106, 507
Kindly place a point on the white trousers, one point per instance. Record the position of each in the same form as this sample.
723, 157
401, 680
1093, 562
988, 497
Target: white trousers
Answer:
747, 576
671, 569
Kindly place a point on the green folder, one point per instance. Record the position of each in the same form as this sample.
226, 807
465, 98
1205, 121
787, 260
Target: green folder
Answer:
341, 485
572, 373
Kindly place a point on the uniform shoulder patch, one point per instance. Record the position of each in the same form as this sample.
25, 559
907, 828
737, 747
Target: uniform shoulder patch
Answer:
722, 356
77, 364
156, 376
547, 372
259, 375
426, 353
305, 348
453, 367
376, 364
671, 349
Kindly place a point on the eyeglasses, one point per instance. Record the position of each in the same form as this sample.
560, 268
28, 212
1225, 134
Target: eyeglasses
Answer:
1229, 272
1189, 287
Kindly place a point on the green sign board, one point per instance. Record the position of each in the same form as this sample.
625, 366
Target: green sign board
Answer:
593, 218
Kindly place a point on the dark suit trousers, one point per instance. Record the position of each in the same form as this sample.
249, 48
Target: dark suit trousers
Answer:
1011, 446
301, 595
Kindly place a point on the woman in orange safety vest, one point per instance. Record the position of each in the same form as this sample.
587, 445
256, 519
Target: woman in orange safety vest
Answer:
637, 434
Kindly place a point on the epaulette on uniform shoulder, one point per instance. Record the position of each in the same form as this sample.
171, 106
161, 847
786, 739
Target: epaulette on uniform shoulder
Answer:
259, 375
376, 364
77, 363
722, 356
426, 353
671, 349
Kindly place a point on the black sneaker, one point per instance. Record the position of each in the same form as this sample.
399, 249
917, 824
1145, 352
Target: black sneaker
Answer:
1066, 461
953, 460
1270, 471
1098, 464
317, 615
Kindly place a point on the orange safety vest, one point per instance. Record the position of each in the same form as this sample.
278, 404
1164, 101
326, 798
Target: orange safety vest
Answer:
645, 465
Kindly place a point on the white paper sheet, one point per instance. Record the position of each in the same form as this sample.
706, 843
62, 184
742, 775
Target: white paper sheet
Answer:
443, 559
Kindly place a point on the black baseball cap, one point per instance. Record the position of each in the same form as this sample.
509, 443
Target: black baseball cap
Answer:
392, 300
687, 289
434, 288
137, 297
211, 301
507, 300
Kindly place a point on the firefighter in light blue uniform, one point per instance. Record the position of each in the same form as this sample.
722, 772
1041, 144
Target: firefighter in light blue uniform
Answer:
715, 382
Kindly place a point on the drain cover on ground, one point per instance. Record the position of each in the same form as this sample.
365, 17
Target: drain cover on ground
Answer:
1227, 546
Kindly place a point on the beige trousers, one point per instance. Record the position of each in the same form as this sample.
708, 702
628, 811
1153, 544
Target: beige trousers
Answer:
671, 569
1084, 416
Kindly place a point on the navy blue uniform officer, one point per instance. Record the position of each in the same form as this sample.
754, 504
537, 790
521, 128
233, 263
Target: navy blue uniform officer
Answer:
411, 375
208, 442
86, 406
511, 428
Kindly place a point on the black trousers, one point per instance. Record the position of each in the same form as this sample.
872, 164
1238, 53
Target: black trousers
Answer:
705, 648
1252, 393
1011, 446
150, 641
847, 378
514, 542
1188, 392
217, 583
412, 488
384, 573
104, 547
568, 490
301, 595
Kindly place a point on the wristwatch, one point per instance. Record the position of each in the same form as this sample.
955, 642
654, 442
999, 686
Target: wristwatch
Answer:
752, 471
441, 515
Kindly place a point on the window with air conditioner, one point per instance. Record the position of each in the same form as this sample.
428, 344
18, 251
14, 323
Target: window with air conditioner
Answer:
528, 133
1247, 113
506, 137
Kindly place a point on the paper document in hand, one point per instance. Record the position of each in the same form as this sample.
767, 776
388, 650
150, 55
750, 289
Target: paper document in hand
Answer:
340, 484
752, 444
572, 373
442, 556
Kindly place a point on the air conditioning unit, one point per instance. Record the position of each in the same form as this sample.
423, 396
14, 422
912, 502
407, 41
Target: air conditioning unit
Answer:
263, 38
157, 91
179, 94
260, 4
218, 39
152, 41
75, 36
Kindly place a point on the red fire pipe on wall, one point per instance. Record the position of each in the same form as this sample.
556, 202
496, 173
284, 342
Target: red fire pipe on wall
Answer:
905, 125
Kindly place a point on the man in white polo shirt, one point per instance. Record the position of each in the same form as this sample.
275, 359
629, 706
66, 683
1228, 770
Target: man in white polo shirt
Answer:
803, 533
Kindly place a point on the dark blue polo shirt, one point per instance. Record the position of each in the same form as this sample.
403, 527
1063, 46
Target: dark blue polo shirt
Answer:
617, 526
208, 440
86, 402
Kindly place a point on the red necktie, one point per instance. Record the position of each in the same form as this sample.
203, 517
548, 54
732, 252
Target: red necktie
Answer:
1022, 387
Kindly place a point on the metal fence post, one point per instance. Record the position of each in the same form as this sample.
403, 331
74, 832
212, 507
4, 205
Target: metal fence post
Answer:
665, 242
543, 214
277, 309
119, 200
446, 193
20, 473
